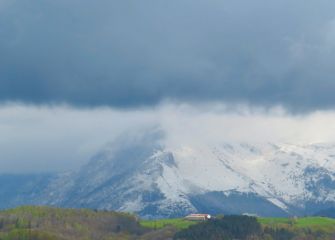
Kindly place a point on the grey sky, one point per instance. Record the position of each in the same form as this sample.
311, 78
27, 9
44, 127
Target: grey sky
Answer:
139, 53
76, 74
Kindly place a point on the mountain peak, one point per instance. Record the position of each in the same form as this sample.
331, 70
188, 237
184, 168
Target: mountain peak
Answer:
141, 175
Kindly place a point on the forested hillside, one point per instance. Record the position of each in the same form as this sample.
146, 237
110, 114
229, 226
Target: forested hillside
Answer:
45, 223
243, 227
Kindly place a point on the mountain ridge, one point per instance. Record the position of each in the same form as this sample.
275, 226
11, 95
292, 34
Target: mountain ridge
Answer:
154, 181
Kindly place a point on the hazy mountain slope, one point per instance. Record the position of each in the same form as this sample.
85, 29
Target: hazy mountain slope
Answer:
124, 177
17, 189
329, 212
144, 177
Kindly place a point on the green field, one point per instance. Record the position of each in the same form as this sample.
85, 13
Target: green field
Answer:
313, 223
179, 223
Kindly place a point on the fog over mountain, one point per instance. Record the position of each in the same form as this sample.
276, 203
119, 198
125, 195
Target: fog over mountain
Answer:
52, 139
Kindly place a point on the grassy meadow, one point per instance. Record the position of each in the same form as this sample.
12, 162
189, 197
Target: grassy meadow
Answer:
178, 223
312, 223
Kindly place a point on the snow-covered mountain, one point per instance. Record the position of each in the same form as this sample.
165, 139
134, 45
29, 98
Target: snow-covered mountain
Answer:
143, 176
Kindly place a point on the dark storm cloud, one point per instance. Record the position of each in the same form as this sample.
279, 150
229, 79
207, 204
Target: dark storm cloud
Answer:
130, 53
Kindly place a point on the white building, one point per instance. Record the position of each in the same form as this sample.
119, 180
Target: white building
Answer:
198, 217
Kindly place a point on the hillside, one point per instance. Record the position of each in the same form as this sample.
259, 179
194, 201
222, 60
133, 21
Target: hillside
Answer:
43, 223
243, 227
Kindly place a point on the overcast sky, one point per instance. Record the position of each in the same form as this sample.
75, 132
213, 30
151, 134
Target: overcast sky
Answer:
75, 74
